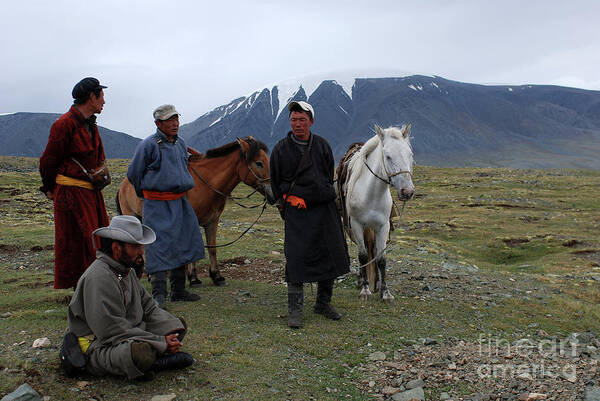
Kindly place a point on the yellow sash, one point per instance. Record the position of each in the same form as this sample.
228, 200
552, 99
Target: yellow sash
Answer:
73, 182
84, 343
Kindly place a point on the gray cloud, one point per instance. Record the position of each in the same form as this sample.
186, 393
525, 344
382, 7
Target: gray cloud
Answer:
199, 55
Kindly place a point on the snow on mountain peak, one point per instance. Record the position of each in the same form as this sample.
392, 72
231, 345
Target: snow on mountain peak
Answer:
289, 87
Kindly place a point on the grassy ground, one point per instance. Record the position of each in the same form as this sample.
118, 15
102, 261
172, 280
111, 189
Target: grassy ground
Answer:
532, 235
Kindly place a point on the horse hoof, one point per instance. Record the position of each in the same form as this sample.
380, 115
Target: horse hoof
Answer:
219, 281
387, 297
364, 295
195, 283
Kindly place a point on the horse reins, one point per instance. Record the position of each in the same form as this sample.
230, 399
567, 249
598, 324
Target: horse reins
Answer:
264, 205
232, 198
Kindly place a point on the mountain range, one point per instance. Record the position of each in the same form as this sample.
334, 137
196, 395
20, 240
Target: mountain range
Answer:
453, 123
26, 134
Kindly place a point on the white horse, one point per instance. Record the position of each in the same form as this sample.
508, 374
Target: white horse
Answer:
383, 161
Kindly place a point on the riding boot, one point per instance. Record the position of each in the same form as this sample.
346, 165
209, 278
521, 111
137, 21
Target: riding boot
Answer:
158, 281
178, 291
295, 304
323, 303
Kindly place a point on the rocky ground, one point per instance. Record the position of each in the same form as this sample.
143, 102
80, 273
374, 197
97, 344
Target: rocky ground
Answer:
531, 366
535, 367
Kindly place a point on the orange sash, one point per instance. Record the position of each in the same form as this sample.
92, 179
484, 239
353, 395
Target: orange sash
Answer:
157, 195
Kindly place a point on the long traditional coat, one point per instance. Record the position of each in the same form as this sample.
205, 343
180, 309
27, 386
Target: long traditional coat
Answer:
159, 165
111, 304
77, 211
315, 246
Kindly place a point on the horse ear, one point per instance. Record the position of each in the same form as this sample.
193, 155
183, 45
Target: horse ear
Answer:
244, 145
406, 130
379, 132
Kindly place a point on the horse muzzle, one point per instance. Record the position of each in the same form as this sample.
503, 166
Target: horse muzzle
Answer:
406, 194
267, 192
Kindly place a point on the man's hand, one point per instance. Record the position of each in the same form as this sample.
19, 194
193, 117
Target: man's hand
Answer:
173, 343
49, 195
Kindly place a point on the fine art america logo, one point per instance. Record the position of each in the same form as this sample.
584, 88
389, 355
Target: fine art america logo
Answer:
527, 359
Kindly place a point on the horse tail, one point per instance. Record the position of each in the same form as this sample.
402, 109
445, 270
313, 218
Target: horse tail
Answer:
117, 203
369, 238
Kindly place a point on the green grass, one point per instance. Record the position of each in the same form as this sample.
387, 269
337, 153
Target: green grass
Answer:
527, 230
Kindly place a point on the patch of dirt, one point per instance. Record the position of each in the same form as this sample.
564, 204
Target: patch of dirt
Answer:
32, 372
65, 300
263, 270
38, 284
504, 205
586, 252
512, 242
529, 219
8, 249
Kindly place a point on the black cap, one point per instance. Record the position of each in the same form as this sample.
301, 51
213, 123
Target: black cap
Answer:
83, 88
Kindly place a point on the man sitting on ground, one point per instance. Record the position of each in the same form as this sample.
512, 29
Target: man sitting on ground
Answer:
115, 327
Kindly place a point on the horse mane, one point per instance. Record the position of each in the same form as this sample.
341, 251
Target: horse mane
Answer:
356, 163
255, 147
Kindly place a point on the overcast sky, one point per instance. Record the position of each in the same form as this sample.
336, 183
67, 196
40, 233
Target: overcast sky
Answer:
199, 54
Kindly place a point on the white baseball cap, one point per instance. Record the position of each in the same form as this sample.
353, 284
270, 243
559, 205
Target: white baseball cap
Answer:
303, 105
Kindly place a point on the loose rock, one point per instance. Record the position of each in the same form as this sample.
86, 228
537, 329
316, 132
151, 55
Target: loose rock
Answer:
164, 397
23, 393
389, 390
377, 356
415, 383
592, 393
41, 343
415, 393
532, 396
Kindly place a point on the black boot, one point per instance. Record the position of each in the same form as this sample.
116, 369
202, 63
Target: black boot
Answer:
323, 304
158, 281
178, 292
72, 358
295, 305
178, 360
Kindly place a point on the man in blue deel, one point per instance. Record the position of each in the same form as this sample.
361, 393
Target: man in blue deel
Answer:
159, 174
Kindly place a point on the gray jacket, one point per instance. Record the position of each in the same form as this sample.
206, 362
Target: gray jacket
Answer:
111, 304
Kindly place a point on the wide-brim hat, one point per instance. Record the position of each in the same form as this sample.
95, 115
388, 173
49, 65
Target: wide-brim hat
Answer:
127, 229
303, 105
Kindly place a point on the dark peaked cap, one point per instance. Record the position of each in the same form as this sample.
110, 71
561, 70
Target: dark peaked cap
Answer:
83, 88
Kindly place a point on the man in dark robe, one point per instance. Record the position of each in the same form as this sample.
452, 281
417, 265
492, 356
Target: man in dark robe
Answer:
315, 247
74, 145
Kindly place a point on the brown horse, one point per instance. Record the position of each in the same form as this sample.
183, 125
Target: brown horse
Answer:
215, 174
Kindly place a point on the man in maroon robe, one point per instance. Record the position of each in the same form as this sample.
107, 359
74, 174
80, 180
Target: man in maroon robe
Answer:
74, 145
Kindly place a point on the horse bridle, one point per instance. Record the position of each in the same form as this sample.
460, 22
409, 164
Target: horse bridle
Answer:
260, 180
233, 198
390, 176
